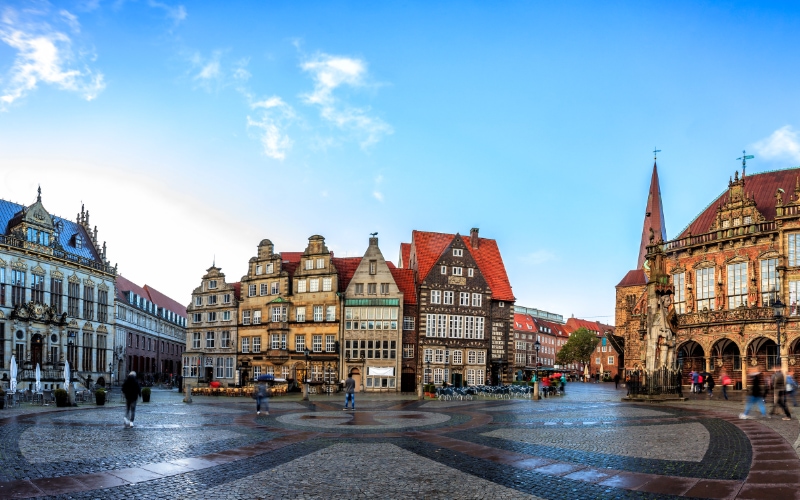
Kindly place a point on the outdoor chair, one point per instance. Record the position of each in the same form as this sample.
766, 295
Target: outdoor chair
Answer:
47, 397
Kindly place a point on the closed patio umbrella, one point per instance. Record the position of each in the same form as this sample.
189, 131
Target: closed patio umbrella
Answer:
66, 375
37, 387
12, 385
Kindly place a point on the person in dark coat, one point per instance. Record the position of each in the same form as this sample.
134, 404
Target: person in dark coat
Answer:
132, 391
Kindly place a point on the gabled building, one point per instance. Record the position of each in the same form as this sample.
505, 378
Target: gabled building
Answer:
211, 332
529, 329
606, 360
371, 335
404, 279
56, 296
465, 308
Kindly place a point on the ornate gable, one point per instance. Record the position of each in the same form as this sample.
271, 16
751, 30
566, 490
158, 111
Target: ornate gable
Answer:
739, 210
39, 270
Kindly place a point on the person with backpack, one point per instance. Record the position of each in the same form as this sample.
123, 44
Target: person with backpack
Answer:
791, 389
709, 385
725, 380
756, 394
700, 383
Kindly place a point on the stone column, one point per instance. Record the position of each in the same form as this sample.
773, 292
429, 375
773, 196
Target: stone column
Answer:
744, 372
708, 364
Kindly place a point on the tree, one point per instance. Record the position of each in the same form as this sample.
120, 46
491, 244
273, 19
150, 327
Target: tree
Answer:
578, 348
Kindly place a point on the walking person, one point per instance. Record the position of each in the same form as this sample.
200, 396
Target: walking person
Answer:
710, 385
262, 393
349, 392
695, 375
132, 391
756, 393
616, 380
791, 389
779, 393
725, 380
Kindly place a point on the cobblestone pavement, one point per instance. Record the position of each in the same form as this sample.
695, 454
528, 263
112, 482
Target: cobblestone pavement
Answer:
587, 444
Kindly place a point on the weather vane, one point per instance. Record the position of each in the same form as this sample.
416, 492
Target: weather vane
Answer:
374, 234
744, 159
655, 153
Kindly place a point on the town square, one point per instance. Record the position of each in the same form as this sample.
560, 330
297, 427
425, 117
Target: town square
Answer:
421, 250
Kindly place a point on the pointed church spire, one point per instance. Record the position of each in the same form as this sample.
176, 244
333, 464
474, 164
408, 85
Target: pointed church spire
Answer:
653, 218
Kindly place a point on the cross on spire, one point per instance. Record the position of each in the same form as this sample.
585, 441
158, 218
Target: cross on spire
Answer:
655, 153
744, 159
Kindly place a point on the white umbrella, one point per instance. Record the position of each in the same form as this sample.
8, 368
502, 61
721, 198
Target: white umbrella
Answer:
601, 371
66, 375
37, 387
13, 384
586, 371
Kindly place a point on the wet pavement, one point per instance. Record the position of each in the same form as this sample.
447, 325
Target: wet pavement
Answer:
587, 444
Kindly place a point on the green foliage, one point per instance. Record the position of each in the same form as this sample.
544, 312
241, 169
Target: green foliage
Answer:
100, 392
146, 391
578, 348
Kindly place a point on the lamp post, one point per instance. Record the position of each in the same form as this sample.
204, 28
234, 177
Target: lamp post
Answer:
536, 347
428, 371
777, 310
306, 352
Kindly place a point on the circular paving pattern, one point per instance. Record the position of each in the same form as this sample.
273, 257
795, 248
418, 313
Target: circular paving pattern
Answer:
585, 445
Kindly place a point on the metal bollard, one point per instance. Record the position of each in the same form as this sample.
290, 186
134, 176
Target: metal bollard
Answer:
187, 398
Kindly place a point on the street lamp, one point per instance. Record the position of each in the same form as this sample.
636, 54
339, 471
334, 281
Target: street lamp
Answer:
306, 352
536, 347
777, 310
428, 372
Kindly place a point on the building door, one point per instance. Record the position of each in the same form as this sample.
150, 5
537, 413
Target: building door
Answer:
408, 382
36, 350
209, 373
356, 373
458, 380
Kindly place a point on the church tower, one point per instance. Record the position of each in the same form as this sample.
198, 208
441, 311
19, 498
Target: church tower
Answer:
654, 226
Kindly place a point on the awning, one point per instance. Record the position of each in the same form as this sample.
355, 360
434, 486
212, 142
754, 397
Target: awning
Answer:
380, 372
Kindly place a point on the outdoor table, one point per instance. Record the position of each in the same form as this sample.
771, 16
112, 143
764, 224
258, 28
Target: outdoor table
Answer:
38, 397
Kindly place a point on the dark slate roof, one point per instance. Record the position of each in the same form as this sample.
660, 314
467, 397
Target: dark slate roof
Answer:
8, 210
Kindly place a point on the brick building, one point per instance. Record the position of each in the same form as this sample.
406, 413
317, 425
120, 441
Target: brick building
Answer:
606, 360
529, 328
725, 270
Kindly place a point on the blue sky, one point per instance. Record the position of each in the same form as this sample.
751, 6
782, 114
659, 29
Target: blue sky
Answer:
194, 130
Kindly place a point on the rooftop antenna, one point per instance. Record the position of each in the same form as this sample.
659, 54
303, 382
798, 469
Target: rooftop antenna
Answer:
744, 159
655, 153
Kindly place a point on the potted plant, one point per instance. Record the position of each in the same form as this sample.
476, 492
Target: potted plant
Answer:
62, 397
2, 398
100, 397
146, 395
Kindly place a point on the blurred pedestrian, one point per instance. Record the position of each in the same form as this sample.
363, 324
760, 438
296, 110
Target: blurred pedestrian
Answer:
791, 389
779, 393
349, 392
755, 393
132, 391
616, 380
725, 380
262, 393
710, 385
695, 375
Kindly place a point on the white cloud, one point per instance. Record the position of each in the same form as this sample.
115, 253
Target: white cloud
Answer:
274, 116
378, 195
783, 144
176, 13
44, 55
331, 72
539, 257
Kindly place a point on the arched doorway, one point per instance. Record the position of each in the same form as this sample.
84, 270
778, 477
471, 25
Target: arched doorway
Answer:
356, 374
691, 357
725, 357
36, 350
762, 353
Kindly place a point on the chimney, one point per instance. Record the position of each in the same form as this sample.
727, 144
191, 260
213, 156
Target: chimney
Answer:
473, 237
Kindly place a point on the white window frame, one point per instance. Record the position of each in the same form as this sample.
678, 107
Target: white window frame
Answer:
318, 311
458, 271
301, 286
456, 357
436, 296
444, 269
737, 285
257, 344
477, 299
458, 252
300, 314
245, 345
408, 323
327, 284
321, 263
313, 285
448, 297
299, 343
263, 289
251, 290
330, 313
463, 298
705, 288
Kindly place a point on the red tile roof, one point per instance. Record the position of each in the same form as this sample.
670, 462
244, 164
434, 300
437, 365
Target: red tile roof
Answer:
525, 323
125, 285
634, 277
404, 278
558, 329
291, 256
405, 254
346, 267
237, 290
595, 326
428, 247
761, 187
167, 303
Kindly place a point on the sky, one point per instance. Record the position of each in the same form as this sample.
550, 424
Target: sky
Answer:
192, 131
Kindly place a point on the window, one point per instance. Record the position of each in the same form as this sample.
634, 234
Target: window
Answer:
470, 377
78, 241
212, 316
245, 344
438, 356
501, 304
212, 284
481, 355
384, 288
56, 293
245, 317
726, 224
278, 314
300, 314
458, 252
317, 313
679, 300
705, 288
330, 343
438, 375
195, 340
597, 361
408, 322
448, 297
372, 288
251, 291
301, 286
256, 372
794, 249
737, 285
229, 367
457, 271
330, 313
479, 327
748, 219
463, 299
259, 269
320, 263
209, 340
456, 357
436, 297
313, 285
212, 300
359, 288
220, 368
256, 317
794, 288
770, 285
263, 289
427, 355
226, 299
197, 317
256, 344
226, 315
456, 326
408, 351
88, 302
611, 360
309, 264
326, 284
427, 377
225, 340
299, 343
477, 300
316, 343
73, 295
444, 269
274, 288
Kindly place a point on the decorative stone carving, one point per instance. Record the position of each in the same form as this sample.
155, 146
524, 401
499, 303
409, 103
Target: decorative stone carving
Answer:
55, 273
38, 270
88, 282
102, 286
74, 278
19, 265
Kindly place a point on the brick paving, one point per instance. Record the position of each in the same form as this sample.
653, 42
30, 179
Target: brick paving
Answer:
587, 444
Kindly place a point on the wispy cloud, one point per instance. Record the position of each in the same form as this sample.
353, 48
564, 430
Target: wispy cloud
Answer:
377, 194
45, 55
274, 115
175, 12
207, 71
539, 257
331, 72
783, 144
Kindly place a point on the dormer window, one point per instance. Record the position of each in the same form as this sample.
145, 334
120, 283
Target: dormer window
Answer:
458, 252
40, 237
78, 241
